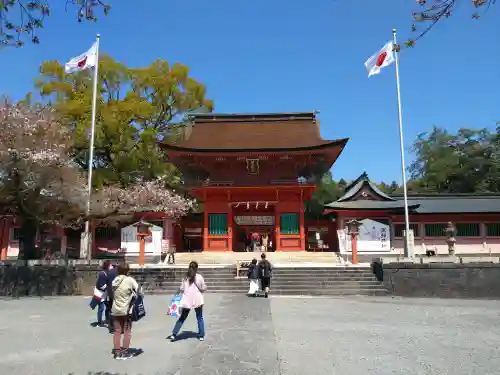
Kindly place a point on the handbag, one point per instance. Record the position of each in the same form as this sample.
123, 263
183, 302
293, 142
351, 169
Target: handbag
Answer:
174, 308
97, 297
138, 309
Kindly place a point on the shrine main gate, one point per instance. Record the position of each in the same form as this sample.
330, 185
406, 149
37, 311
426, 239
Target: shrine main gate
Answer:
253, 172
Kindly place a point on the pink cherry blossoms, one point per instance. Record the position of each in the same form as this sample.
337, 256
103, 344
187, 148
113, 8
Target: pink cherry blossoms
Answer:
31, 134
147, 196
39, 176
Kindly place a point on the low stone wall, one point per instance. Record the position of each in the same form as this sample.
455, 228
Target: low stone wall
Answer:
47, 280
443, 280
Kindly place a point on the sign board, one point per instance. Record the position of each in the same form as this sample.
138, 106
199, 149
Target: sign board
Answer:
254, 220
192, 230
374, 237
165, 246
130, 242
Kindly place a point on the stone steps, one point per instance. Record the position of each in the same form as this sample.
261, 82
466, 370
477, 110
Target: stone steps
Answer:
286, 281
222, 257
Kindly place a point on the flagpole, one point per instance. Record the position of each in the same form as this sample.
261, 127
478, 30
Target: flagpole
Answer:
88, 235
402, 149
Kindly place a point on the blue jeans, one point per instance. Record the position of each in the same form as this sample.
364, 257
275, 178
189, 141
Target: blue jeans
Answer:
182, 319
100, 311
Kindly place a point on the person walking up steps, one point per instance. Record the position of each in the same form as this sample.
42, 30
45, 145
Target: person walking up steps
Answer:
192, 287
266, 270
253, 277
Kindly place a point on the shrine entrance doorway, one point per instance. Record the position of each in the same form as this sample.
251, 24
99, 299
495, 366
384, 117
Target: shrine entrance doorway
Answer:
248, 222
244, 231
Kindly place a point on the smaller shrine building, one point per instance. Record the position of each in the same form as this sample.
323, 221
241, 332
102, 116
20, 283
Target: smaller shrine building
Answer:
476, 218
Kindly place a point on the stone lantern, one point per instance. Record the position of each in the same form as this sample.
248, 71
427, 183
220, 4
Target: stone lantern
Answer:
142, 232
450, 232
353, 231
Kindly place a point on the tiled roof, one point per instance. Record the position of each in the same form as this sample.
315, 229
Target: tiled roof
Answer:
420, 204
254, 132
455, 204
436, 204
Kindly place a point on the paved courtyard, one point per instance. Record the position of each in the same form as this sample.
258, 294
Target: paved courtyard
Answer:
285, 336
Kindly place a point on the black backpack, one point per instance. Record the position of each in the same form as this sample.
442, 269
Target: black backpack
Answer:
265, 268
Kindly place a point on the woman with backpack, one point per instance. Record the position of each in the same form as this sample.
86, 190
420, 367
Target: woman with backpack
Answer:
266, 272
192, 287
125, 290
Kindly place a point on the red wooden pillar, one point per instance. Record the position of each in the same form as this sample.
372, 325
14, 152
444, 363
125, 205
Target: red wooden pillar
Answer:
354, 245
229, 228
4, 237
205, 228
142, 250
277, 233
301, 224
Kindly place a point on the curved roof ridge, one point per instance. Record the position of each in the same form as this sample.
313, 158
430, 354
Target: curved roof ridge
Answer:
354, 187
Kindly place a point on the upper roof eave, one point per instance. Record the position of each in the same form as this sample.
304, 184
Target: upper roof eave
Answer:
335, 143
202, 117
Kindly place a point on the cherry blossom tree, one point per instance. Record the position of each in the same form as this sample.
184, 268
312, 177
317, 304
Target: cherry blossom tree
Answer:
35, 168
41, 184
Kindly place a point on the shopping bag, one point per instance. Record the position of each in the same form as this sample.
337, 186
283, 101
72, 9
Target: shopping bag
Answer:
97, 297
138, 309
174, 308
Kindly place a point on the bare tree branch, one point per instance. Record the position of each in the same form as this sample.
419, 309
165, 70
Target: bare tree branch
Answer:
431, 12
21, 19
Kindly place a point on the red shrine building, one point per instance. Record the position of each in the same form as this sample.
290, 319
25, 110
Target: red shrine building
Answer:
251, 173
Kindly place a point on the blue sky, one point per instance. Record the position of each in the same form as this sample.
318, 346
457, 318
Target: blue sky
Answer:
279, 56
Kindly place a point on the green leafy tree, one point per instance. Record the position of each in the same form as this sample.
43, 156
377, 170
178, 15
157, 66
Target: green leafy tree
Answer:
433, 11
465, 162
21, 19
327, 191
137, 107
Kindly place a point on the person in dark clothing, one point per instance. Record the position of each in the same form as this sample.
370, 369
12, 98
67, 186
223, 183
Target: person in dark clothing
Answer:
250, 242
253, 277
266, 270
112, 273
102, 285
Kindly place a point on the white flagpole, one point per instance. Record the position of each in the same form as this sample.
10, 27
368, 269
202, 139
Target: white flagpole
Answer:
402, 149
88, 236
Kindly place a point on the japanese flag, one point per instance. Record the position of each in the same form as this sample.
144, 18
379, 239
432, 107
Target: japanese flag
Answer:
84, 61
384, 57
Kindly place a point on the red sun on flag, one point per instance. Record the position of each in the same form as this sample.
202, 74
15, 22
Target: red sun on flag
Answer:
381, 58
82, 62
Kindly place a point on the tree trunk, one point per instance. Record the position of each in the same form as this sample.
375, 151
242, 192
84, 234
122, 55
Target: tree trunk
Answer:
27, 239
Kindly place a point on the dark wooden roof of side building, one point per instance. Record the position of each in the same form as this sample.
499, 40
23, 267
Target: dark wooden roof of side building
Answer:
417, 204
255, 132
